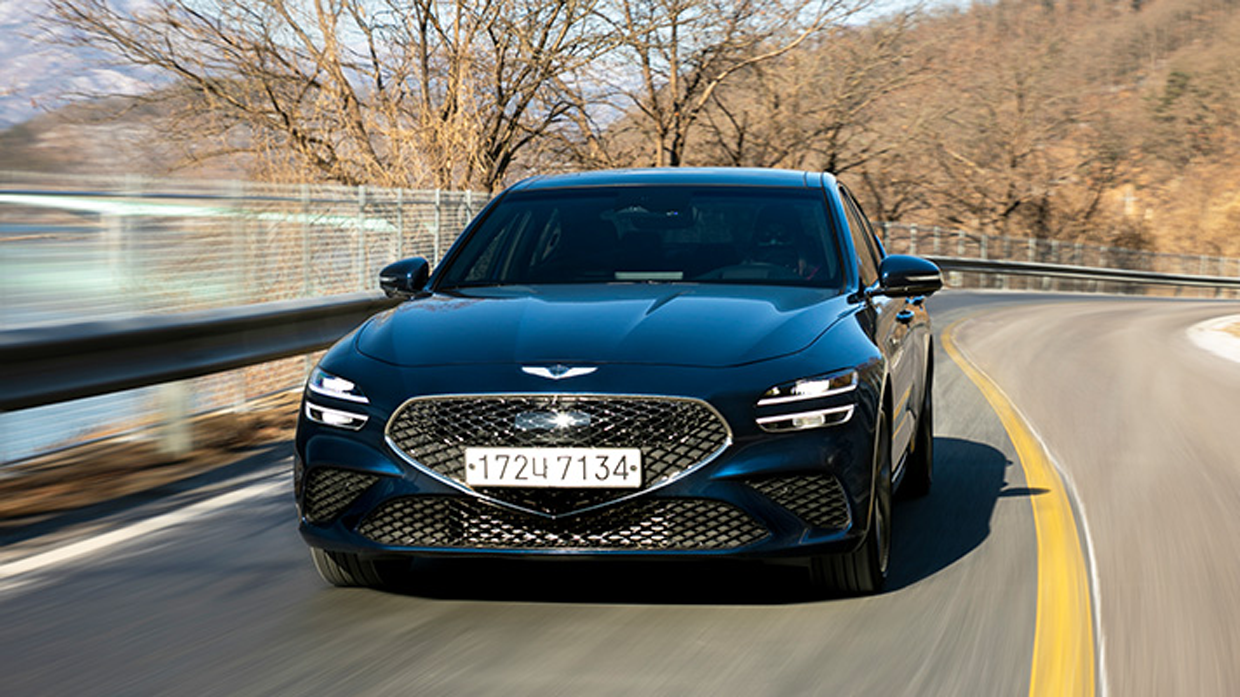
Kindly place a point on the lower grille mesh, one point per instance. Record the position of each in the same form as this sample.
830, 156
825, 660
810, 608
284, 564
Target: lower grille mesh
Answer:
817, 500
329, 491
668, 524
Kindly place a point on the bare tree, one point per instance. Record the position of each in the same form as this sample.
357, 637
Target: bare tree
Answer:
390, 92
1022, 148
846, 102
671, 58
819, 107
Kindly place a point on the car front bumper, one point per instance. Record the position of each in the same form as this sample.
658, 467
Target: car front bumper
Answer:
763, 496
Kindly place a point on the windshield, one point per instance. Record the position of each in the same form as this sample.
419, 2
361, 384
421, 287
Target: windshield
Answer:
652, 234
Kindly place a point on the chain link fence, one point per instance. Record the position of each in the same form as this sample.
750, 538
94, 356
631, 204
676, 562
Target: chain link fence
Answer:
941, 242
88, 248
82, 248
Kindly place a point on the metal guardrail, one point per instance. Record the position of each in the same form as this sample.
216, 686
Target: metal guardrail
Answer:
1083, 273
44, 365
47, 365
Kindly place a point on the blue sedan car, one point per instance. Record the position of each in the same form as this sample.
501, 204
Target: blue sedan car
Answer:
689, 363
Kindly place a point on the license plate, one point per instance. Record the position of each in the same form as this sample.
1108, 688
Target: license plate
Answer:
597, 468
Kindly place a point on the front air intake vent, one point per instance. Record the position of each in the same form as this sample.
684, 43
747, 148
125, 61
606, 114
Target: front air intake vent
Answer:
663, 524
328, 491
817, 500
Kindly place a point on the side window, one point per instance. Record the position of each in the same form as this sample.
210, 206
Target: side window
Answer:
876, 245
863, 240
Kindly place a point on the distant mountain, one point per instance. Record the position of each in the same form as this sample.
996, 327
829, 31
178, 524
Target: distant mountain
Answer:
38, 75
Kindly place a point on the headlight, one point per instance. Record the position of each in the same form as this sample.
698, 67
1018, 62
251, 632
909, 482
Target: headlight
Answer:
813, 402
329, 385
810, 388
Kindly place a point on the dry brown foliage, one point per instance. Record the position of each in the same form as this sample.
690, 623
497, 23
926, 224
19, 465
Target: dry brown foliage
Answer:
414, 93
1108, 121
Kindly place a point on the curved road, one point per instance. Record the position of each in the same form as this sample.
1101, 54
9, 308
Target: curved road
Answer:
1147, 426
208, 590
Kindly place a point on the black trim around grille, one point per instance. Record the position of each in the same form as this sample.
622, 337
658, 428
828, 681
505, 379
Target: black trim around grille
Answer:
674, 435
660, 524
817, 500
328, 491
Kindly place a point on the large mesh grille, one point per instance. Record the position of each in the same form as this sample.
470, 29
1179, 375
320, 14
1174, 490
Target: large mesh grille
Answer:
329, 491
672, 434
663, 524
817, 500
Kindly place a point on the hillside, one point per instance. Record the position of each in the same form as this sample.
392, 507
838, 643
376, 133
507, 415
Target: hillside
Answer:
1114, 122
1140, 109
1107, 121
38, 73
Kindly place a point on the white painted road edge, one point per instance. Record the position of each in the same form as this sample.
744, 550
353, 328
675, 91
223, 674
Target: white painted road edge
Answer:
15, 572
1102, 680
1212, 335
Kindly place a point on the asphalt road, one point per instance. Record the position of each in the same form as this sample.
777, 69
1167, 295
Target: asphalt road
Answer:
1147, 425
217, 596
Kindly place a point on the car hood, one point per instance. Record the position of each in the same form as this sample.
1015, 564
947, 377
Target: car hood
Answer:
654, 324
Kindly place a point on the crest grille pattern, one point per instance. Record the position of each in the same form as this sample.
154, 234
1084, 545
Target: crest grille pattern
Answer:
672, 434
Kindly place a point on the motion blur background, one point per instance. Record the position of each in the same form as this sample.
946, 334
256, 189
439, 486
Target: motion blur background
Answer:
163, 157
174, 155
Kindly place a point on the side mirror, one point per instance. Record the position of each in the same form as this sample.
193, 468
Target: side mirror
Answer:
901, 275
405, 278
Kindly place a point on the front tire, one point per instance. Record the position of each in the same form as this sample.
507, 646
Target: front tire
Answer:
346, 570
864, 571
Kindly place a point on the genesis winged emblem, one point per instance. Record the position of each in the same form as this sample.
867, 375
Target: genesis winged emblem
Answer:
557, 371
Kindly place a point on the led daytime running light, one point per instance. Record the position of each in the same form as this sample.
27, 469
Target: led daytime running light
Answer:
809, 388
329, 385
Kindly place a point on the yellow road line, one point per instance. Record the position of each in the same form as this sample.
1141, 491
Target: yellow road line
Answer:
1063, 641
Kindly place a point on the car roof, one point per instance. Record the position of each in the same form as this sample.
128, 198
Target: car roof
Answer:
678, 176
